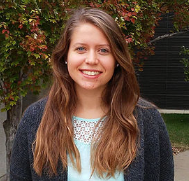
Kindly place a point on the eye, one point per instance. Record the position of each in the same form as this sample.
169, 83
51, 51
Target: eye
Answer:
80, 49
104, 50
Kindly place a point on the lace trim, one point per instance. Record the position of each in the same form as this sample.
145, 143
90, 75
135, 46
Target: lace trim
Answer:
84, 129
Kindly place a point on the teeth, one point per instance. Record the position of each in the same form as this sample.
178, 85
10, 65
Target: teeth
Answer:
91, 72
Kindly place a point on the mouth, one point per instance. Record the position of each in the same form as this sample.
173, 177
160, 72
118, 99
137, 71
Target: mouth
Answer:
90, 73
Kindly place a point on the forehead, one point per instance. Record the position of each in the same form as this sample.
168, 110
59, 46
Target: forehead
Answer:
89, 32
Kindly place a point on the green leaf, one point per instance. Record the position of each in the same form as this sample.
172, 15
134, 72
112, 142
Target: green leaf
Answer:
36, 55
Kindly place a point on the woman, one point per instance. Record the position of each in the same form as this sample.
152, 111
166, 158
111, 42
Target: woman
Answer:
92, 126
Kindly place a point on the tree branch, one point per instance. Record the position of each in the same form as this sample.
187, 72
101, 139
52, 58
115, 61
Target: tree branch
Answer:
166, 36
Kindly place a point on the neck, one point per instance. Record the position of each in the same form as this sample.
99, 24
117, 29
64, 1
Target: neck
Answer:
89, 104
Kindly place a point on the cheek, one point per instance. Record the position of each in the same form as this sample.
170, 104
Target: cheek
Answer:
110, 65
71, 62
74, 59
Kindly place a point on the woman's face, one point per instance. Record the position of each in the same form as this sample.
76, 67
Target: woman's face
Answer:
90, 60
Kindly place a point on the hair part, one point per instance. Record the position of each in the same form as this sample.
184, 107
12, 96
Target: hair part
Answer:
116, 146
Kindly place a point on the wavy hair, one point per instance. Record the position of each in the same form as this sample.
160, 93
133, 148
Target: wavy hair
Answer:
116, 146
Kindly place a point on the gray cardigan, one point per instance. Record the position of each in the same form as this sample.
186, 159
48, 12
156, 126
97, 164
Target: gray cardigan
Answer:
154, 161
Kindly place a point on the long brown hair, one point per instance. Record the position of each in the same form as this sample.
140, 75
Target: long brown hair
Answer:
117, 143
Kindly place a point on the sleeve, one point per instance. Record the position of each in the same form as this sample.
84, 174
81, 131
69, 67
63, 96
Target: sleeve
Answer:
166, 153
158, 153
20, 163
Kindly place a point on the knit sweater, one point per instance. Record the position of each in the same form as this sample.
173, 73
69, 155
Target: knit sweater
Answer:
154, 160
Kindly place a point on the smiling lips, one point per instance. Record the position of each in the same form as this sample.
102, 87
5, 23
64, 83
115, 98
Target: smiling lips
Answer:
90, 73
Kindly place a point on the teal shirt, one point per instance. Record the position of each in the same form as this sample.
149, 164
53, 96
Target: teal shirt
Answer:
83, 131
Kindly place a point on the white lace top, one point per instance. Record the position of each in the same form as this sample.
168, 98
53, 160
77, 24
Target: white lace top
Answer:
84, 130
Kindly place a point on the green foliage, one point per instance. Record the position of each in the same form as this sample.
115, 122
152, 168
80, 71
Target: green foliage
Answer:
24, 56
29, 30
185, 61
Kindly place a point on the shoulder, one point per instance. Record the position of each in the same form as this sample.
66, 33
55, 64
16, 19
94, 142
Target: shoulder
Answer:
145, 104
150, 122
145, 108
33, 114
36, 107
148, 114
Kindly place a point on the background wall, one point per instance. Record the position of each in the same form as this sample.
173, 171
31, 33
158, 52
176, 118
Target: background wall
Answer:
162, 80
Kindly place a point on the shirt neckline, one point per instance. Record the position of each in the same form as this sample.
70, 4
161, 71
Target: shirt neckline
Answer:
86, 119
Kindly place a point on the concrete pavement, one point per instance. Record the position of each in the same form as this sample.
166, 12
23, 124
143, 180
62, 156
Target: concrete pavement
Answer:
182, 166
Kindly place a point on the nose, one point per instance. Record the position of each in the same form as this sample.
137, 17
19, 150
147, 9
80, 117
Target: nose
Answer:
91, 58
